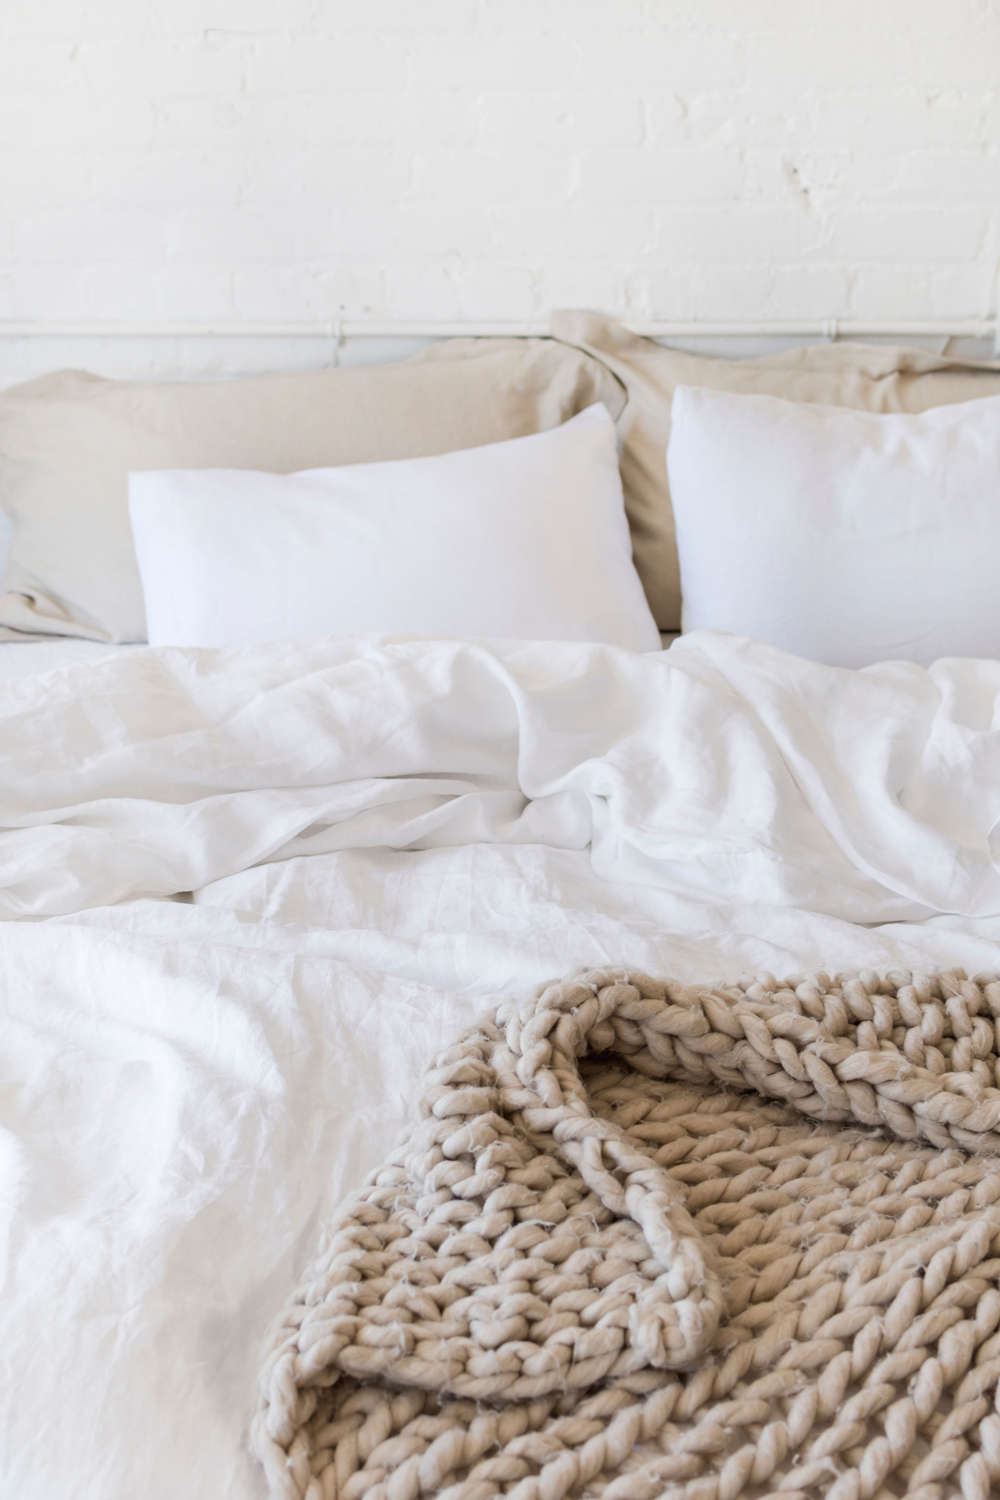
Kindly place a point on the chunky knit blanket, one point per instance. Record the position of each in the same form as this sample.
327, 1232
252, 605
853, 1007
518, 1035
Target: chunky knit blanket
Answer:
647, 1239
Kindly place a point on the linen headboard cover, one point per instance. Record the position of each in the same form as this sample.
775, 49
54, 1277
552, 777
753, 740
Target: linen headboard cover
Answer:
68, 442
869, 377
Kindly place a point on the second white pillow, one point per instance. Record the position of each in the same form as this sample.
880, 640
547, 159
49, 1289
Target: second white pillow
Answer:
842, 536
523, 539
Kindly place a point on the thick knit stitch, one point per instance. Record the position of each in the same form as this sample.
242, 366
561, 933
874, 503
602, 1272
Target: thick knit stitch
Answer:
605, 1260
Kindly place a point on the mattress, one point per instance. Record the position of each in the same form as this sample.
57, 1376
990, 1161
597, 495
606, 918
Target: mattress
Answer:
248, 894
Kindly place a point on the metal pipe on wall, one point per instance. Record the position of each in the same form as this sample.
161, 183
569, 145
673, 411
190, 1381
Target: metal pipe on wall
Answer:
828, 328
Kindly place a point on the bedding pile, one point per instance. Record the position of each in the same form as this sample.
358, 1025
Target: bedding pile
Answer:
69, 441
504, 1308
250, 893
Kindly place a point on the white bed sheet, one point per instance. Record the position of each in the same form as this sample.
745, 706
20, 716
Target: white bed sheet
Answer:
29, 657
391, 839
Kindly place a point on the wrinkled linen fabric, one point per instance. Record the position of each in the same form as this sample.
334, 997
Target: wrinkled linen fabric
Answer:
250, 893
721, 768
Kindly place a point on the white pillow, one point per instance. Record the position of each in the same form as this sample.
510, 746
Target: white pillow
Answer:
839, 535
525, 538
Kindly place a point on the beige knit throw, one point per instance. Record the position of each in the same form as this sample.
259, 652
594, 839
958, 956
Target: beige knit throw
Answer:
605, 1260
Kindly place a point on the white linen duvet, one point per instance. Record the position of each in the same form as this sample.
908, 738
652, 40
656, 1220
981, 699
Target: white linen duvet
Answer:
247, 894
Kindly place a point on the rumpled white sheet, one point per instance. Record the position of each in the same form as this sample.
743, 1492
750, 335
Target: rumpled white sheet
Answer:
379, 840
720, 769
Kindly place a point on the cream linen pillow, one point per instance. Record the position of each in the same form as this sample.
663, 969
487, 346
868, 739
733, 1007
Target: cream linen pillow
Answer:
69, 441
868, 377
525, 539
843, 536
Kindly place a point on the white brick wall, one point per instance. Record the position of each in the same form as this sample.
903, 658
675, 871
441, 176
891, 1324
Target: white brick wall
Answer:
299, 159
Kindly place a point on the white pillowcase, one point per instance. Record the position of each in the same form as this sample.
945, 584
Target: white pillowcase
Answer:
525, 539
843, 536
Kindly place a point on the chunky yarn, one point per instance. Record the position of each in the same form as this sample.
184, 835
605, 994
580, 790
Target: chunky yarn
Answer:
645, 1239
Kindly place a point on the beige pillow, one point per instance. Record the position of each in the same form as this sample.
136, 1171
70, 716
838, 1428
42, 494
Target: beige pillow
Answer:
866, 376
69, 441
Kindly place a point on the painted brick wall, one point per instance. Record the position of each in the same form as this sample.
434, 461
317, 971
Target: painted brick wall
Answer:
296, 159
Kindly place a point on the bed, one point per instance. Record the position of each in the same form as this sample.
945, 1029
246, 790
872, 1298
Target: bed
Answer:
250, 891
